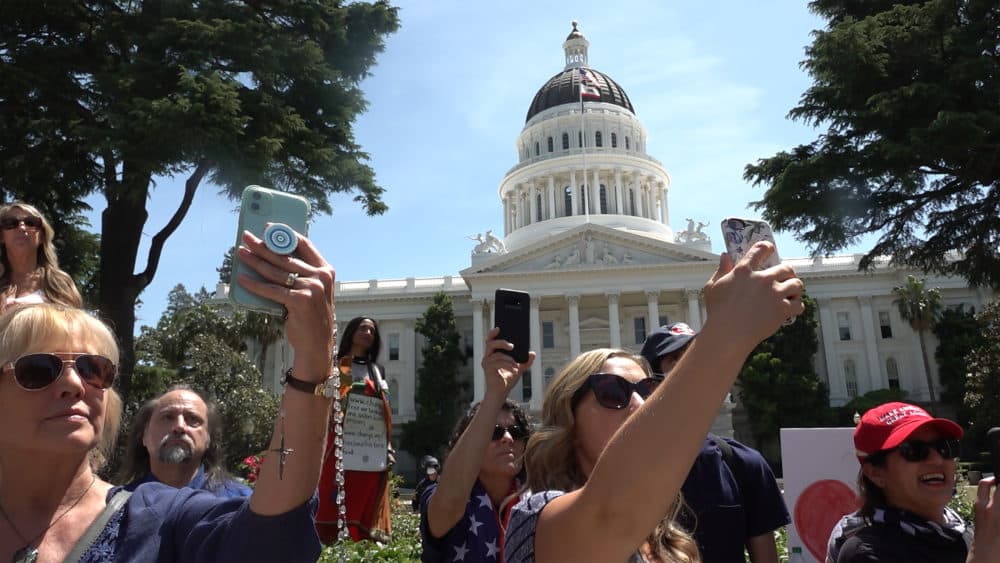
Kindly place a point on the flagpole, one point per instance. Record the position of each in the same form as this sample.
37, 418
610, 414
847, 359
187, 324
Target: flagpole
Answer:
583, 149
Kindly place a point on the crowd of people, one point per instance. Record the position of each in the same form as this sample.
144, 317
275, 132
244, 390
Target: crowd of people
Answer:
621, 466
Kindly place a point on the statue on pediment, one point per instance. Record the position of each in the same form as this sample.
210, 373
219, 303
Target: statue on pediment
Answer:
488, 243
693, 233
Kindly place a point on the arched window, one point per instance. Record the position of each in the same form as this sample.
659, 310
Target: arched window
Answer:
565, 141
598, 140
579, 139
604, 199
550, 144
583, 199
614, 141
626, 142
537, 152
850, 378
568, 201
892, 373
631, 202
538, 206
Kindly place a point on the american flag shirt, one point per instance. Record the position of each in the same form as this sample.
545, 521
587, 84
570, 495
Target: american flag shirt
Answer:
478, 535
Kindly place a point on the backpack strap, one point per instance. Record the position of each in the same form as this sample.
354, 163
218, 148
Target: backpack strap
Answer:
97, 526
732, 462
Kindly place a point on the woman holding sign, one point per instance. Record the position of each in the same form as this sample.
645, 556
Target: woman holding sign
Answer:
367, 455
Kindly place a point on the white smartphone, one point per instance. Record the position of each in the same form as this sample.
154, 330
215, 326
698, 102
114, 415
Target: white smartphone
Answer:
740, 234
259, 207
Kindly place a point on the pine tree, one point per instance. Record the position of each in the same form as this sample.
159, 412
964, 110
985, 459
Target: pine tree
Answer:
437, 397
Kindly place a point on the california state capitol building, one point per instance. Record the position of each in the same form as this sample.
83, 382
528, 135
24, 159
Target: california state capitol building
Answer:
587, 233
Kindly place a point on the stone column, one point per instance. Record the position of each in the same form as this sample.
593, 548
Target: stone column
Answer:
868, 336
537, 393
639, 212
518, 209
574, 325
552, 214
574, 195
828, 325
693, 297
664, 207
652, 309
506, 215
595, 194
533, 204
618, 191
478, 346
614, 324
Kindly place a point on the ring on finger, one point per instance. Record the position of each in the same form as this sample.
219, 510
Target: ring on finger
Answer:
290, 280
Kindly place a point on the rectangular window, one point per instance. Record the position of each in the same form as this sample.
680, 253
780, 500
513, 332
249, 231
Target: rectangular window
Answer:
884, 324
844, 325
640, 329
393, 346
548, 335
469, 345
664, 320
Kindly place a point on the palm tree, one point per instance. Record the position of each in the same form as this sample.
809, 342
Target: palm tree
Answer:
920, 307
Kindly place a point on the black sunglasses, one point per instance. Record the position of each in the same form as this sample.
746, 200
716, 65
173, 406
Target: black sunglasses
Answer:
516, 432
10, 223
37, 371
614, 391
918, 450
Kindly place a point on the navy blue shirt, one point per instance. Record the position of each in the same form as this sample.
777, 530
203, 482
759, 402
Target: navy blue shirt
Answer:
720, 515
230, 488
164, 524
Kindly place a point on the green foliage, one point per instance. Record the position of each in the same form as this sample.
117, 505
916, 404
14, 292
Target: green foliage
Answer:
110, 97
437, 398
982, 388
906, 92
404, 546
958, 333
197, 344
779, 386
920, 307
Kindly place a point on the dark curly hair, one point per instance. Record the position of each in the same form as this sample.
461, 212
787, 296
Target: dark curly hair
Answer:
520, 418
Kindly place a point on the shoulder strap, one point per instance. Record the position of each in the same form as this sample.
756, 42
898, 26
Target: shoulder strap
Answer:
88, 537
731, 461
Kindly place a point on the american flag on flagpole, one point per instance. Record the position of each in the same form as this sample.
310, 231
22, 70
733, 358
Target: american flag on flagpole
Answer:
588, 85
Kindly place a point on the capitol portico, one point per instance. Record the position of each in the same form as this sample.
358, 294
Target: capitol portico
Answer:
587, 233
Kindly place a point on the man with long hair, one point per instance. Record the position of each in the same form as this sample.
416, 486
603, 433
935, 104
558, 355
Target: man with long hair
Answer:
176, 439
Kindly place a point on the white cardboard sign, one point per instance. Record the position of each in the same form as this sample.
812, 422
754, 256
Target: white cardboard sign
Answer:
820, 475
365, 438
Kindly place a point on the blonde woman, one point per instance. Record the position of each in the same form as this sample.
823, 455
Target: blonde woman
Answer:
615, 445
29, 269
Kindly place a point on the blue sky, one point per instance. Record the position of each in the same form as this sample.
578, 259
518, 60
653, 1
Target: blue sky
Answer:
711, 81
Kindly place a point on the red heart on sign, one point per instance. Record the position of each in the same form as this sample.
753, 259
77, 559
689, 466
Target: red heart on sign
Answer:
818, 509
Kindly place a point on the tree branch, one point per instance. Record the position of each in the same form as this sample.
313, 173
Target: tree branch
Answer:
160, 238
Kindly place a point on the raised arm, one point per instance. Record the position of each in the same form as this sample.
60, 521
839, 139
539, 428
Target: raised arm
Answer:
637, 477
986, 545
300, 429
447, 504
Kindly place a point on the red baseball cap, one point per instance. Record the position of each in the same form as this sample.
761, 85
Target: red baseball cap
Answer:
887, 426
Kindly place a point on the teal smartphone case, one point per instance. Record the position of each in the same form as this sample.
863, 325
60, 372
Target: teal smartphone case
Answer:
259, 207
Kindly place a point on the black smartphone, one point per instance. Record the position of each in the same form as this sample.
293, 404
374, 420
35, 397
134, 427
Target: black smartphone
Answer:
512, 314
993, 437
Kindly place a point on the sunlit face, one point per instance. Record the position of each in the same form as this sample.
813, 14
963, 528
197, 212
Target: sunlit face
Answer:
23, 236
178, 429
504, 456
65, 417
922, 487
595, 425
363, 338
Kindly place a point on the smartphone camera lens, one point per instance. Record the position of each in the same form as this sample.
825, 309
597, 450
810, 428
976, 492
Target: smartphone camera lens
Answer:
256, 195
255, 206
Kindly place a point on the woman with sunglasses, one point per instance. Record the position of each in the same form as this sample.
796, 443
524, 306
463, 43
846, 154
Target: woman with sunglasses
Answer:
906, 480
60, 414
615, 445
465, 513
29, 268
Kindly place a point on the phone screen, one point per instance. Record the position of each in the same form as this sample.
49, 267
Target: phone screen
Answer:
512, 314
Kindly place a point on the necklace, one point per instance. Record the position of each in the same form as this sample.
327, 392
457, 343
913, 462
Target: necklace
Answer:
29, 553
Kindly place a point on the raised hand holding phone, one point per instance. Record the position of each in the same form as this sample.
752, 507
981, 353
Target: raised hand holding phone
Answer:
740, 234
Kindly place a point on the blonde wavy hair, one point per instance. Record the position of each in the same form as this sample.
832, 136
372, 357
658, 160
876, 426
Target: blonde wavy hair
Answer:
32, 326
551, 461
57, 285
